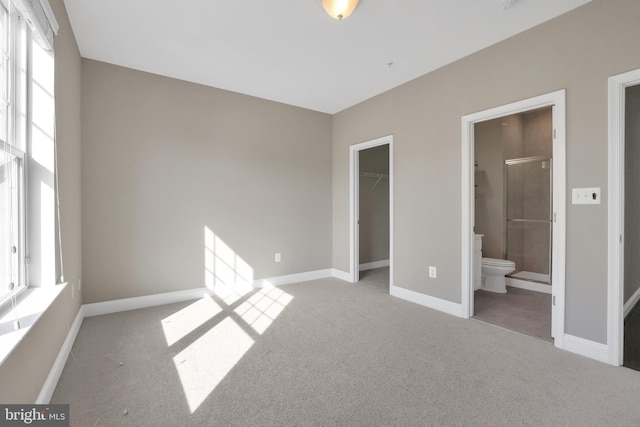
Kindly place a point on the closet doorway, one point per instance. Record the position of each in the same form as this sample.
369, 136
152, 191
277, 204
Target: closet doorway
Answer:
371, 208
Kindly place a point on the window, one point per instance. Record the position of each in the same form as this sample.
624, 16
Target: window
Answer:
13, 146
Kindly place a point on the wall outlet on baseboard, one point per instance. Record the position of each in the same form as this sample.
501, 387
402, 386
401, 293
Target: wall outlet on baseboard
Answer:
433, 272
278, 257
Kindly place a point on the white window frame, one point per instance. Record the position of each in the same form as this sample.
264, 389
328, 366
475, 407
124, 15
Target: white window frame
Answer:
18, 50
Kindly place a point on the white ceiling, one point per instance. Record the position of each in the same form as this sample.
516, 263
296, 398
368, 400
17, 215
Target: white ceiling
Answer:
291, 51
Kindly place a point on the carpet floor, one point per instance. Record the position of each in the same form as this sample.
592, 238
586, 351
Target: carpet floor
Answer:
326, 352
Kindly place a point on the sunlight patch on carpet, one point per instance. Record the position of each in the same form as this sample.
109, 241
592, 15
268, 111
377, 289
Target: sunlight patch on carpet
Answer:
183, 322
205, 363
262, 308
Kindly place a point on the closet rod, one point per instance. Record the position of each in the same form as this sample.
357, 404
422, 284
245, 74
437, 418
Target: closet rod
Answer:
379, 176
373, 175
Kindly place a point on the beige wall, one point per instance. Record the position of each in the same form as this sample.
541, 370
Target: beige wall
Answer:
632, 192
577, 52
162, 159
24, 372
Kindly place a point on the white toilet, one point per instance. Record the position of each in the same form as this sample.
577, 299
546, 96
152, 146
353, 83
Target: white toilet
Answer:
493, 272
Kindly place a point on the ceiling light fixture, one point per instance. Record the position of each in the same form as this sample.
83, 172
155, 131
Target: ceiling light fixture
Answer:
339, 9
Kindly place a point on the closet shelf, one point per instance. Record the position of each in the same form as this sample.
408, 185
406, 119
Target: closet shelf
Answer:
378, 177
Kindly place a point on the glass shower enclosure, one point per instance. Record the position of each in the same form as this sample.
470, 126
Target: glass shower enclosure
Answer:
528, 213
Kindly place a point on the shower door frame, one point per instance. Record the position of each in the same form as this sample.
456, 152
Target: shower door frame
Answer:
556, 100
521, 161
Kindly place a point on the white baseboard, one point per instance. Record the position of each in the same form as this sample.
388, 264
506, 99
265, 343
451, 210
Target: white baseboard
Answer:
631, 302
428, 301
293, 278
586, 348
115, 306
125, 304
375, 264
51, 382
342, 275
531, 286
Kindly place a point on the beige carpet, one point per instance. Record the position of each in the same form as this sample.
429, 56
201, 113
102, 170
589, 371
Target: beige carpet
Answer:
330, 353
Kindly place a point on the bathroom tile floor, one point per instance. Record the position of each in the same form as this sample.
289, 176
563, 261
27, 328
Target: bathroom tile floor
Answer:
521, 310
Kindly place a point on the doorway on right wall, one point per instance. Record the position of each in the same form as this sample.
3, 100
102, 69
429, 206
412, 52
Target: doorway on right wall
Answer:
631, 277
623, 290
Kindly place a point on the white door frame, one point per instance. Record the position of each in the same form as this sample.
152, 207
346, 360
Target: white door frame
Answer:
615, 279
354, 175
557, 101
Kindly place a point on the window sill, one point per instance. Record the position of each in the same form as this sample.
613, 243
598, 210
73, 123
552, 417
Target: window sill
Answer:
32, 303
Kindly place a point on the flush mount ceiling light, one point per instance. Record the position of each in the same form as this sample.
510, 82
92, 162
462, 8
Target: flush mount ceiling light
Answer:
339, 9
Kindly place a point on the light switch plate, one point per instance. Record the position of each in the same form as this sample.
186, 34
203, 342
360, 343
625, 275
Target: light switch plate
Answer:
586, 196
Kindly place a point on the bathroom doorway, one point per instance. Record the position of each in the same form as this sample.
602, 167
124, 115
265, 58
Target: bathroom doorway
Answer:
371, 206
514, 193
513, 217
623, 330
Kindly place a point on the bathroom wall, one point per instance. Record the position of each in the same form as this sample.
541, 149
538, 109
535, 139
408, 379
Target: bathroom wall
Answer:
511, 137
374, 205
495, 141
632, 195
489, 218
538, 129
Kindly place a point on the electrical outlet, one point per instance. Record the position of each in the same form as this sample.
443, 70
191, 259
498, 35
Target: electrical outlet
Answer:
278, 257
433, 272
